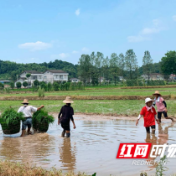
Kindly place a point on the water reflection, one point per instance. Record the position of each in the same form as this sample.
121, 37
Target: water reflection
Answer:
67, 154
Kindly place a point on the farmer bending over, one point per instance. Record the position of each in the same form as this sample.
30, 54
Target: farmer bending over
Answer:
27, 111
161, 106
65, 115
149, 114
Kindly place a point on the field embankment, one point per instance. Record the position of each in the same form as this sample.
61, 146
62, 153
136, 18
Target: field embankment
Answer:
113, 97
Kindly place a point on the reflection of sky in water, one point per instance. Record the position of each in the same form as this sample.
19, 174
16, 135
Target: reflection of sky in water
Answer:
92, 147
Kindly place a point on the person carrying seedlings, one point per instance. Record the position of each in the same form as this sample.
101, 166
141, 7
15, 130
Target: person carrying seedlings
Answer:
149, 114
27, 111
65, 115
161, 106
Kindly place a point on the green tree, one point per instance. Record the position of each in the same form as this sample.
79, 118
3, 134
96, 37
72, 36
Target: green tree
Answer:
56, 86
147, 64
1, 86
18, 84
131, 64
121, 64
36, 83
25, 84
114, 67
12, 85
84, 68
168, 64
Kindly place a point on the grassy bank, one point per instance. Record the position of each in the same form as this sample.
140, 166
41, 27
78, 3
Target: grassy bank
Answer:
100, 92
107, 107
8, 168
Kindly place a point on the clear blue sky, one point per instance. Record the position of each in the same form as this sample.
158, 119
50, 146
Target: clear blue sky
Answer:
44, 30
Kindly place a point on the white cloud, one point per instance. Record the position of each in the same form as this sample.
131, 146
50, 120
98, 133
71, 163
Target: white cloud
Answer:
75, 52
85, 49
146, 32
77, 12
34, 46
60, 56
137, 38
63, 55
174, 17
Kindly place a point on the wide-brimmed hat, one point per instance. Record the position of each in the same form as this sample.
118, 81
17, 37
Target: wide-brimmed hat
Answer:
25, 101
157, 93
68, 100
148, 100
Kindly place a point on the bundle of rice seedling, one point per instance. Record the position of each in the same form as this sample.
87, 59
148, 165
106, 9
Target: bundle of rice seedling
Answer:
41, 120
10, 121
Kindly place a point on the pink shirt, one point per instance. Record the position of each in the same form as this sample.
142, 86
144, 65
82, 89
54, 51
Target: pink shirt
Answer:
160, 105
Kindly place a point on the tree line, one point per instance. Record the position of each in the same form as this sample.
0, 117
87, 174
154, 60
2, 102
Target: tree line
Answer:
13, 69
91, 68
94, 66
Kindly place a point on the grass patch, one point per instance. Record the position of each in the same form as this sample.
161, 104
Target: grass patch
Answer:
107, 107
8, 168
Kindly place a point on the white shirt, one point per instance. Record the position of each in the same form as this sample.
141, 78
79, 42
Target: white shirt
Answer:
27, 110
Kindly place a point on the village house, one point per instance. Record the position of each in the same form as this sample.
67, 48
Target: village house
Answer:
50, 76
75, 80
153, 76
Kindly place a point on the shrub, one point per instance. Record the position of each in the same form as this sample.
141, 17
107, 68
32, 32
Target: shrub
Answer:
41, 92
56, 86
25, 84
12, 85
18, 84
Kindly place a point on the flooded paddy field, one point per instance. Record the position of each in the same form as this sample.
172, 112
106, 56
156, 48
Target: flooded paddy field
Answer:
92, 147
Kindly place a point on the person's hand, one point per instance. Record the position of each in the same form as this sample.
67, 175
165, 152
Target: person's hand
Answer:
74, 126
58, 122
42, 106
165, 110
137, 122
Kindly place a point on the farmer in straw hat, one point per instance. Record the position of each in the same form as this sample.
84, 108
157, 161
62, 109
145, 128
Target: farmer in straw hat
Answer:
161, 106
27, 111
149, 114
65, 115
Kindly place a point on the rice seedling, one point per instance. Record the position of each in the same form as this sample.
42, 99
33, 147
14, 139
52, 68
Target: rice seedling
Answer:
41, 120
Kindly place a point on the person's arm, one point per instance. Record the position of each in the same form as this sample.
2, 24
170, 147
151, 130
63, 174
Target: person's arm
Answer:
59, 116
42, 106
165, 106
137, 121
72, 119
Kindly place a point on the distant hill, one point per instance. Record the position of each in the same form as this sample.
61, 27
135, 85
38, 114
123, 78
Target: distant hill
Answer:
11, 70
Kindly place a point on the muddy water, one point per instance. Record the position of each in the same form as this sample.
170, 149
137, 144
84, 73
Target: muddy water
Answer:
92, 147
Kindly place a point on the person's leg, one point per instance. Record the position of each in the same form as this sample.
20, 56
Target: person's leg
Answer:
159, 116
67, 134
63, 132
153, 129
29, 124
23, 128
147, 129
166, 116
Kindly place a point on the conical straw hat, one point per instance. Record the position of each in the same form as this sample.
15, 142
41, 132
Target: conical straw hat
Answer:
68, 100
25, 101
157, 93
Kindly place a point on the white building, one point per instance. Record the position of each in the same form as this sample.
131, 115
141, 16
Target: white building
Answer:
50, 76
75, 80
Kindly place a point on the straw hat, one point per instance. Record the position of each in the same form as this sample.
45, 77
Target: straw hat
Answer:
68, 100
148, 100
25, 101
157, 93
